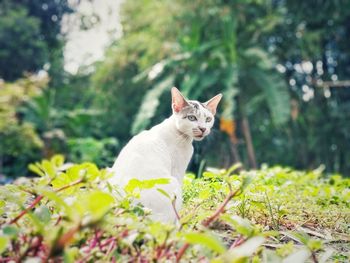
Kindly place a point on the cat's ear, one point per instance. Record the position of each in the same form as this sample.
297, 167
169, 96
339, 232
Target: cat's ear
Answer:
212, 104
178, 101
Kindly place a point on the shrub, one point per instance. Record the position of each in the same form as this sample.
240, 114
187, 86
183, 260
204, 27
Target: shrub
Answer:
69, 213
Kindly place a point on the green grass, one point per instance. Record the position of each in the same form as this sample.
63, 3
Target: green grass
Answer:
269, 215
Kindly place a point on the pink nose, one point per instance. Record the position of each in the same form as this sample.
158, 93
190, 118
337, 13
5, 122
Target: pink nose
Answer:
202, 129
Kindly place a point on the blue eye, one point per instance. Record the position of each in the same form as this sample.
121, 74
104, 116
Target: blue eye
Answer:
208, 119
191, 118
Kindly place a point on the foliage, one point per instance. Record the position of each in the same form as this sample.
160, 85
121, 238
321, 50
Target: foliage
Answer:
30, 32
89, 149
307, 37
18, 139
217, 51
20, 39
32, 126
65, 215
254, 52
147, 38
274, 62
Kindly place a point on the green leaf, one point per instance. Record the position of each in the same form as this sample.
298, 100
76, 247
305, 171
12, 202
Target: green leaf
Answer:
11, 231
57, 160
91, 171
207, 174
96, 203
61, 180
135, 184
262, 59
39, 226
58, 201
150, 104
276, 94
48, 168
43, 213
206, 240
246, 249
4, 240
241, 225
70, 255
204, 194
233, 168
159, 231
132, 185
35, 169
2, 206
246, 180
314, 244
164, 193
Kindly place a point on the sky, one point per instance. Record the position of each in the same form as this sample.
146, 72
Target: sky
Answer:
84, 47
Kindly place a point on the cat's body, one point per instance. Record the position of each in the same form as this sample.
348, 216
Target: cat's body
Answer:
165, 151
148, 156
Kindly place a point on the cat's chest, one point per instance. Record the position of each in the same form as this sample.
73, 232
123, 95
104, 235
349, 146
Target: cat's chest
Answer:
180, 158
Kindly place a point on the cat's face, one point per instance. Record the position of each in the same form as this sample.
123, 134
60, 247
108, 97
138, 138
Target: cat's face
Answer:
193, 118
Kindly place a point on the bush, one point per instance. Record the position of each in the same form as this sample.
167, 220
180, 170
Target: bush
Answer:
259, 216
19, 141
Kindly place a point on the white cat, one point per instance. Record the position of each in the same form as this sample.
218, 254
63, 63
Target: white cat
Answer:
164, 151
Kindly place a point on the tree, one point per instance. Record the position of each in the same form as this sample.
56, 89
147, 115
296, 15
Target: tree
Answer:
143, 44
312, 43
220, 49
30, 37
20, 43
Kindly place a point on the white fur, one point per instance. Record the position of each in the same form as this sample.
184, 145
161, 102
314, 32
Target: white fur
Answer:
164, 151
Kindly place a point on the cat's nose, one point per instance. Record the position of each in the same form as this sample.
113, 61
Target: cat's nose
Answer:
202, 129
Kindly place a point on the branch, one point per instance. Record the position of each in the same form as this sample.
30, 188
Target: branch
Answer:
314, 258
175, 210
210, 219
70, 185
220, 209
31, 206
40, 197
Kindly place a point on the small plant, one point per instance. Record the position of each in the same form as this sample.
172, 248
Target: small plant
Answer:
70, 214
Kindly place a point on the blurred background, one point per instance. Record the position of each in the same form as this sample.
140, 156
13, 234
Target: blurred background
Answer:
82, 77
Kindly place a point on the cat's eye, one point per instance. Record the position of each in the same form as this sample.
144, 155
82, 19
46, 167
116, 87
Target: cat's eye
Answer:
191, 118
208, 119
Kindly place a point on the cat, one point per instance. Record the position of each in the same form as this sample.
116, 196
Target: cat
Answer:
165, 151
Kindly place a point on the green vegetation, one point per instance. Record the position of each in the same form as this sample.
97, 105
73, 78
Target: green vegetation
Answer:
30, 37
283, 71
283, 66
268, 215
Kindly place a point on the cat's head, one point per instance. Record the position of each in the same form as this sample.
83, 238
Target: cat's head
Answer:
193, 118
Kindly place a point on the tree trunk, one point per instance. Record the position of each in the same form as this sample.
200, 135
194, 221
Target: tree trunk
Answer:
234, 150
249, 143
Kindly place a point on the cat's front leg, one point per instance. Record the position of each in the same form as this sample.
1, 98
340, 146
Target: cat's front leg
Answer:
165, 201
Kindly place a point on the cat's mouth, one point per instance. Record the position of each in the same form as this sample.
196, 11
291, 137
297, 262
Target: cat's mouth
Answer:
199, 137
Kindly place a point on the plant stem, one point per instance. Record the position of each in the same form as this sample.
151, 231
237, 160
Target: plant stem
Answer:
175, 210
220, 209
69, 185
275, 225
210, 219
182, 251
40, 197
314, 258
31, 206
